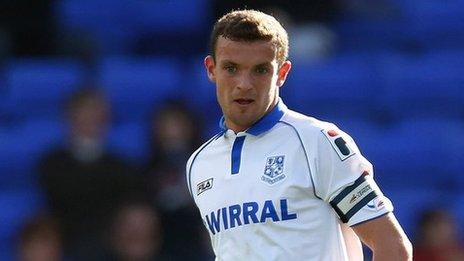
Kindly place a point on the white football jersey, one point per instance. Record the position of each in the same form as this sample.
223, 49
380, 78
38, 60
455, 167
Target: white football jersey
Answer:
288, 188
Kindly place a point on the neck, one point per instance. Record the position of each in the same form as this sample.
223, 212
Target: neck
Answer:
237, 128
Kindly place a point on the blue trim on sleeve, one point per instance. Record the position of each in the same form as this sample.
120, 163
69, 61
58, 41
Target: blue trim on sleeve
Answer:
189, 177
306, 157
237, 154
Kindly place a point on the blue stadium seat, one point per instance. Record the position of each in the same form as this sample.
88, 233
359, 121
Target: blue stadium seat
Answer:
369, 34
116, 26
434, 24
6, 251
136, 85
344, 86
39, 87
454, 156
16, 207
179, 16
106, 23
3, 107
20, 149
199, 92
417, 153
424, 86
363, 131
409, 203
457, 208
130, 140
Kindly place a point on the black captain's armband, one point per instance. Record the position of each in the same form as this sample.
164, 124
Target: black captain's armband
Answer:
351, 199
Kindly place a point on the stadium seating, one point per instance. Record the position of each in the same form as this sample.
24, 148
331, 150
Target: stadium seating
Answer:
17, 206
410, 202
117, 26
21, 148
197, 87
104, 22
416, 154
181, 16
363, 131
130, 140
136, 85
369, 35
344, 86
457, 208
434, 24
200, 94
37, 88
427, 85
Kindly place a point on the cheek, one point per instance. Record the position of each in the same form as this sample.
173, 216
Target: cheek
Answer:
224, 87
221, 93
269, 87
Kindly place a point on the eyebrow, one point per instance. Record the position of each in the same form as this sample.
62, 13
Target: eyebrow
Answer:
265, 64
228, 62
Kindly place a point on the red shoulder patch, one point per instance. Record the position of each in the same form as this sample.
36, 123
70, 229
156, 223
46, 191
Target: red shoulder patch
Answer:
332, 133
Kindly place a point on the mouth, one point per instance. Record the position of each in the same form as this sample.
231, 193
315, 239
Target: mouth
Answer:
244, 101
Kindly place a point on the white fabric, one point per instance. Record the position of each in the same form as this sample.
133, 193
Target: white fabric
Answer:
304, 225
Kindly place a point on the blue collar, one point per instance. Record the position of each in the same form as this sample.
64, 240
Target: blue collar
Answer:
265, 123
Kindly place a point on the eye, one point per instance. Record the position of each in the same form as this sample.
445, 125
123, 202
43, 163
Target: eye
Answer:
230, 69
262, 70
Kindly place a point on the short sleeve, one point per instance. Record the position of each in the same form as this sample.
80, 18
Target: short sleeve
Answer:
344, 179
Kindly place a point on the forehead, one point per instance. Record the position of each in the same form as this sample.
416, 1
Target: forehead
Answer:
241, 52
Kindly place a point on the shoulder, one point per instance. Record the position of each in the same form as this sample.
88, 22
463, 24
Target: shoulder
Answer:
202, 148
194, 156
306, 126
320, 136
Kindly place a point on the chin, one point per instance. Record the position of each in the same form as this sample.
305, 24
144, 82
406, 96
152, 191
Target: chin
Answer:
248, 121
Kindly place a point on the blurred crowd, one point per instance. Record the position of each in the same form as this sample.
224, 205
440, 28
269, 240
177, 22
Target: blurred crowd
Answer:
100, 207
103, 206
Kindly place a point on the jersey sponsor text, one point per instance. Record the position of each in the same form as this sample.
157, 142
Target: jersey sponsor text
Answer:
246, 213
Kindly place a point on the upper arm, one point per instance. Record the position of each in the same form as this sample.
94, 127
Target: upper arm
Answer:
385, 237
344, 179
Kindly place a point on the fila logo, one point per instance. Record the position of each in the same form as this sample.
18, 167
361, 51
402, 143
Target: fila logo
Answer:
204, 186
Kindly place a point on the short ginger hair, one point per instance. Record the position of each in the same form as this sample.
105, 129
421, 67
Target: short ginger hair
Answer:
251, 26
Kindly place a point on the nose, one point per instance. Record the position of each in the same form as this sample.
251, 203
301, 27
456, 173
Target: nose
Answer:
245, 82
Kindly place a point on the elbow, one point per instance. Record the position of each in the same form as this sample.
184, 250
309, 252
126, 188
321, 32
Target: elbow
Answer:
405, 250
400, 250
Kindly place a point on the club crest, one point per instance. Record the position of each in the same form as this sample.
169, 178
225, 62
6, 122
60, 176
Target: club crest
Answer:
274, 170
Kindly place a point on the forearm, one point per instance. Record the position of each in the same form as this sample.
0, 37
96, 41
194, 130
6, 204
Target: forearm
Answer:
401, 251
385, 237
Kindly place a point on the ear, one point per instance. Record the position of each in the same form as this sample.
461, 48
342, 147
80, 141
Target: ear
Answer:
283, 72
210, 65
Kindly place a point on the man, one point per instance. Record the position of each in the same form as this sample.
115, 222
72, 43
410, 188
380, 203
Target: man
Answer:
276, 184
82, 180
